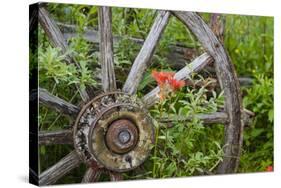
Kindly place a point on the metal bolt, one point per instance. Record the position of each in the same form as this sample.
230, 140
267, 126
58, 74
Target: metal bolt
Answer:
129, 160
124, 136
121, 136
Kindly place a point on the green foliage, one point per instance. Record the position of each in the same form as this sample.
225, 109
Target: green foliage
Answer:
79, 15
177, 33
81, 50
183, 149
136, 22
258, 140
260, 99
52, 66
249, 41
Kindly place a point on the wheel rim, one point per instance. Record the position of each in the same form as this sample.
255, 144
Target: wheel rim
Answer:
224, 69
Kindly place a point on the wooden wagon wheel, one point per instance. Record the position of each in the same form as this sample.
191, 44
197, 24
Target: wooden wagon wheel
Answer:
115, 149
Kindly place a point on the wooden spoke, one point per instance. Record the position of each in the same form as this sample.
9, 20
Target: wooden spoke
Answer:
55, 137
228, 82
115, 176
57, 103
211, 118
92, 35
106, 49
143, 59
216, 117
217, 25
92, 175
57, 40
52, 30
196, 65
60, 169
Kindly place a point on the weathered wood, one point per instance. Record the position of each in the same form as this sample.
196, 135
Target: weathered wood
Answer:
143, 59
91, 175
245, 81
57, 103
55, 137
106, 49
64, 166
196, 65
52, 30
57, 40
212, 118
217, 24
228, 82
91, 34
115, 176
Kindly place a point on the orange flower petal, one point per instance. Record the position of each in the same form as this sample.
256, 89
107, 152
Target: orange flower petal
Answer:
176, 84
162, 77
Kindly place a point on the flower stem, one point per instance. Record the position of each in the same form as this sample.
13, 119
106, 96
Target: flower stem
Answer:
156, 141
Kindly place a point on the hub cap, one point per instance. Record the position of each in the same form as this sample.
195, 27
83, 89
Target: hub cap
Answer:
114, 130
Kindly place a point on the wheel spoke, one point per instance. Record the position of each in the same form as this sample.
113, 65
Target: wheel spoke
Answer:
57, 103
115, 176
143, 59
52, 30
60, 169
211, 118
228, 82
58, 41
55, 137
106, 50
92, 175
196, 65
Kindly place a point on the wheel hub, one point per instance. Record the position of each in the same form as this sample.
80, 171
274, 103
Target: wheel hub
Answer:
121, 136
114, 130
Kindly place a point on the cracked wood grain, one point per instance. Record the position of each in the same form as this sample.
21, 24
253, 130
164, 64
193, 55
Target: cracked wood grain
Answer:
106, 49
57, 103
61, 168
55, 137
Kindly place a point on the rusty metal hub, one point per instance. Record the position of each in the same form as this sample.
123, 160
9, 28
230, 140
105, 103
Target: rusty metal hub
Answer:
114, 130
121, 136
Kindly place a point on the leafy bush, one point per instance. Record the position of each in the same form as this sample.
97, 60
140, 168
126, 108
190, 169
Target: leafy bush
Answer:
258, 139
249, 41
183, 149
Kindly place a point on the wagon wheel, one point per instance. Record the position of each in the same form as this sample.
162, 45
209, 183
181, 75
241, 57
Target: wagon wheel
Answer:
124, 146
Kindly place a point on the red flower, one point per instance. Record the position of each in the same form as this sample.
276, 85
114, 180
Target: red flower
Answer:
162, 77
166, 82
269, 168
176, 84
